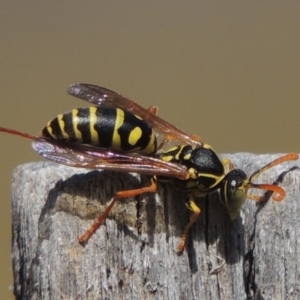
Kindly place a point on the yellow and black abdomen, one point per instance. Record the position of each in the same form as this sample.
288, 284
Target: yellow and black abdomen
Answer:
105, 127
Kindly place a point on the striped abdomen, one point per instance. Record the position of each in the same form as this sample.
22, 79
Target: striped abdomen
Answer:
109, 128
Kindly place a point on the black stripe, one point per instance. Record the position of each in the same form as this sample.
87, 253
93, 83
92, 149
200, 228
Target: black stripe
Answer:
84, 125
105, 124
69, 128
45, 133
56, 130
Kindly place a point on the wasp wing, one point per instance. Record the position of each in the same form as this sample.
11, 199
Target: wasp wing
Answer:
101, 96
81, 156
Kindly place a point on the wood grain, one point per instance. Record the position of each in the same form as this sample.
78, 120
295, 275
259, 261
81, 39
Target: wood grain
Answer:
132, 256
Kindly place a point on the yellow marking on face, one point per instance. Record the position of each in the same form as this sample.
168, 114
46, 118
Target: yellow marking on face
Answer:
116, 139
93, 119
75, 121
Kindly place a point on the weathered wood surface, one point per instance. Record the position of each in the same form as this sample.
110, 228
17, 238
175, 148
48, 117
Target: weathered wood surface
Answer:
133, 255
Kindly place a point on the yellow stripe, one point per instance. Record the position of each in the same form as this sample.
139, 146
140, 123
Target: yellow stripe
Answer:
49, 129
169, 155
75, 121
116, 139
187, 156
179, 152
93, 119
62, 126
172, 149
167, 158
151, 147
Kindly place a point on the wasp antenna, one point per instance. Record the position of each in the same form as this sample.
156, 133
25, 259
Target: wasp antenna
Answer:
19, 133
279, 193
287, 157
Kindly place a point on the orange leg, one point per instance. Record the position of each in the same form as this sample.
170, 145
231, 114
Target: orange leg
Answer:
122, 194
193, 218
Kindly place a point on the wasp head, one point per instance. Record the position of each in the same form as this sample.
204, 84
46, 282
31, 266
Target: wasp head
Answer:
233, 191
235, 185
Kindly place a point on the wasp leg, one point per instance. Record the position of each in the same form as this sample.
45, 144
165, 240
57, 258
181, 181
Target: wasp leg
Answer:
122, 194
193, 218
227, 162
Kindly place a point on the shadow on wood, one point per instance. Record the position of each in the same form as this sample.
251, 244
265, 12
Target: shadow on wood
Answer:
132, 256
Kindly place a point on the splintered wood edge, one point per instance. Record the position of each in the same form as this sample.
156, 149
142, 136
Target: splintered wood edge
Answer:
133, 254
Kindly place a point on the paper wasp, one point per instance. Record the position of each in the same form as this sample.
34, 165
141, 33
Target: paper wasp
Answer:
118, 134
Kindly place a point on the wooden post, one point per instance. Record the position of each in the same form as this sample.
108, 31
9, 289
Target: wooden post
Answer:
132, 256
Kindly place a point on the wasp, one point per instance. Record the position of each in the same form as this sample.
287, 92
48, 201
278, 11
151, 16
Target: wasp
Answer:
120, 135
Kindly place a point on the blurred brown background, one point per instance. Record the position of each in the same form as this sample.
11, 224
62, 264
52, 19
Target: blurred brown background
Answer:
226, 70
